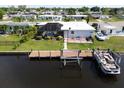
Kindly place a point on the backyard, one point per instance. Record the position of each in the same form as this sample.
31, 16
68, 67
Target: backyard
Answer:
9, 38
7, 42
115, 43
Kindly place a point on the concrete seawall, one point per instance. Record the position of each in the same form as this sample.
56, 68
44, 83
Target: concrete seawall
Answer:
27, 52
14, 52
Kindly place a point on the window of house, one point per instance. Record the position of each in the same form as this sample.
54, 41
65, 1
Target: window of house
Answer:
72, 32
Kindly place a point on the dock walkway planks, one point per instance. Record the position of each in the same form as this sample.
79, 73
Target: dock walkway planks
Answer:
86, 53
34, 54
57, 53
44, 53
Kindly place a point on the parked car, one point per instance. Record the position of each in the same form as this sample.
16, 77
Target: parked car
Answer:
100, 36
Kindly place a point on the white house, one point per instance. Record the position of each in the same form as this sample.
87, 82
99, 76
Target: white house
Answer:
77, 29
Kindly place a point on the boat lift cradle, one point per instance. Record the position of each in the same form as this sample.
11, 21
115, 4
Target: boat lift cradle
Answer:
68, 56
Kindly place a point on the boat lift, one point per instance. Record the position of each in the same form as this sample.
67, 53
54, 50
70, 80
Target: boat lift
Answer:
68, 56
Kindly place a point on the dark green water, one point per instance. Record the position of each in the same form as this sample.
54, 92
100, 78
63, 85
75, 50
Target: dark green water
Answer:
18, 71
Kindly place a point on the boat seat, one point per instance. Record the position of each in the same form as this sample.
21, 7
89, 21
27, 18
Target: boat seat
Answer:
110, 66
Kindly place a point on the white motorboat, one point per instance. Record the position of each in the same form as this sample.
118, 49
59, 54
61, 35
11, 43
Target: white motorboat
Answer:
107, 62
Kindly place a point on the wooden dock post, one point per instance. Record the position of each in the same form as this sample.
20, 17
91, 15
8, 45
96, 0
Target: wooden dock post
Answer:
39, 54
50, 55
29, 54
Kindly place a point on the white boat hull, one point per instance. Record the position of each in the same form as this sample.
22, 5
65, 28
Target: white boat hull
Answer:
102, 67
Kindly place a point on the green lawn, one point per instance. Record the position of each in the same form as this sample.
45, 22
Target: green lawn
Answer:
6, 48
9, 38
115, 43
41, 45
4, 38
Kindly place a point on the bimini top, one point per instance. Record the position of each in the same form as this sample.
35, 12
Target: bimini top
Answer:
76, 26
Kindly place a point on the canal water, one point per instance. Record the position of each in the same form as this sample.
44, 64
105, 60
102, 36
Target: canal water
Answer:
18, 71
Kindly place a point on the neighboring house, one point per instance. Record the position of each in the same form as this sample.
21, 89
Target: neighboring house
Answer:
120, 12
96, 15
107, 28
5, 17
50, 17
48, 13
25, 16
105, 16
99, 15
12, 26
76, 17
79, 13
61, 12
121, 16
111, 30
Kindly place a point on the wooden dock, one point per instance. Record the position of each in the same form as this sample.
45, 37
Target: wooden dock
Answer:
65, 56
57, 53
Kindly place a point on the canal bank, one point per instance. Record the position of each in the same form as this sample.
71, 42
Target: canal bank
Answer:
27, 52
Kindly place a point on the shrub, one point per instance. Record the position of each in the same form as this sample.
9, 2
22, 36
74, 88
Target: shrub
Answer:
59, 38
16, 45
48, 37
23, 39
38, 37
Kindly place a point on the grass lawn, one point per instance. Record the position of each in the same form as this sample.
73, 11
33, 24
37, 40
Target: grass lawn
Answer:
4, 38
41, 45
115, 43
6, 48
9, 38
